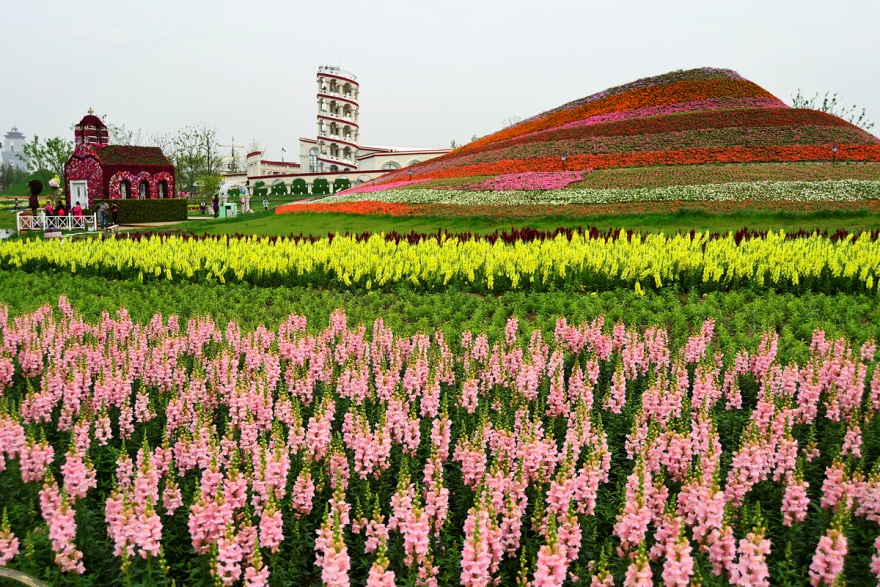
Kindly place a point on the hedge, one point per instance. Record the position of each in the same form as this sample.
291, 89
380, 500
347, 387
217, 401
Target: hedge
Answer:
299, 187
141, 211
340, 184
279, 189
320, 187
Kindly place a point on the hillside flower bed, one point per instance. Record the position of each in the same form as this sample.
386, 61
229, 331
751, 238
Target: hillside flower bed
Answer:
581, 262
208, 454
757, 191
682, 118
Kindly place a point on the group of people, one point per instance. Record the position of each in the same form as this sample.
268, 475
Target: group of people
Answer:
62, 209
106, 213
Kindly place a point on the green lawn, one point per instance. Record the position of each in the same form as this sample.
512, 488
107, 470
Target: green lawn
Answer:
270, 224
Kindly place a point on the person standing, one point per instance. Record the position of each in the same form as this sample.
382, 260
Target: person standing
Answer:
216, 205
265, 203
114, 211
35, 186
77, 211
103, 215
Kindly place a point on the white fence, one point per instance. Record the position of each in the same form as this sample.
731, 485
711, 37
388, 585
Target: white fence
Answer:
56, 223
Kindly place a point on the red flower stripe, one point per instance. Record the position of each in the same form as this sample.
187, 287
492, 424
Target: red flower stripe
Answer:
680, 157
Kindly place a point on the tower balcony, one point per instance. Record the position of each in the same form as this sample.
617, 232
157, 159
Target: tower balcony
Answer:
339, 118
337, 96
336, 72
332, 138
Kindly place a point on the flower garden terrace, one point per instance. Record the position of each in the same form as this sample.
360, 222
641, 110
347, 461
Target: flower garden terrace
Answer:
351, 454
576, 261
691, 120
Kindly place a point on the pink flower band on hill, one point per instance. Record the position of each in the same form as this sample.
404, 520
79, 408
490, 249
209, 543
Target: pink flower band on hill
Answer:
532, 180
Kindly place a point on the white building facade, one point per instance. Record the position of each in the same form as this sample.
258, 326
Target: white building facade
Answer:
334, 158
12, 152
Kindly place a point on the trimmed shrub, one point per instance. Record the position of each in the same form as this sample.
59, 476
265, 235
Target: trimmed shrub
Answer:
260, 190
340, 184
279, 189
320, 187
299, 187
141, 211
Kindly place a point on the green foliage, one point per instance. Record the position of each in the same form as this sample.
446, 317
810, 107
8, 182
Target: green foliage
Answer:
299, 187
209, 185
11, 176
20, 188
741, 317
48, 154
194, 152
340, 184
279, 189
320, 187
260, 189
139, 211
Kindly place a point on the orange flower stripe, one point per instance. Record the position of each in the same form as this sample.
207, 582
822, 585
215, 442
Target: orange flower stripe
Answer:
686, 157
673, 93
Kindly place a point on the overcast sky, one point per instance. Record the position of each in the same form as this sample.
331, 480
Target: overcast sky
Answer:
430, 72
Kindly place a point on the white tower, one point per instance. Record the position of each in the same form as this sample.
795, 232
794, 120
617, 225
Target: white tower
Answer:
13, 149
337, 120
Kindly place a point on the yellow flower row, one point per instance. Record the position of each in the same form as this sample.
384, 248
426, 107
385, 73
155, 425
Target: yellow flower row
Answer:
647, 261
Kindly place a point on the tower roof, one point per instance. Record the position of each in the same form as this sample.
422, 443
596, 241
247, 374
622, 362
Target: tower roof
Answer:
91, 120
14, 134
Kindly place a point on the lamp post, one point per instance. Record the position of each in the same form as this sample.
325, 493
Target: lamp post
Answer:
563, 162
410, 174
834, 154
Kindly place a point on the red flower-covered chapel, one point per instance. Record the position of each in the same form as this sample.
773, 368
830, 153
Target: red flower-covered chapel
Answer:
98, 170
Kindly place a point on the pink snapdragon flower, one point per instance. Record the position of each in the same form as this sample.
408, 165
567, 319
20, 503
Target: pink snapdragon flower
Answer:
751, 570
8, 542
829, 558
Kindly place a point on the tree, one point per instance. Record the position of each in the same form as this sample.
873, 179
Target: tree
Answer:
210, 149
209, 185
187, 156
453, 144
119, 135
510, 121
10, 175
50, 154
165, 142
831, 104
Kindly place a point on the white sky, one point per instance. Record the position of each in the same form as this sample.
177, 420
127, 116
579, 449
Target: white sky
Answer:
430, 72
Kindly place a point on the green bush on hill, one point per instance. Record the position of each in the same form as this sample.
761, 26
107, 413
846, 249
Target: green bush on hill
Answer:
21, 188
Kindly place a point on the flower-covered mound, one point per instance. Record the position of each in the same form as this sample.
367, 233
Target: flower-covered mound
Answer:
700, 116
593, 454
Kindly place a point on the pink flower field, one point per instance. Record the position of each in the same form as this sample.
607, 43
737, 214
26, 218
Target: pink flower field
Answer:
342, 454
